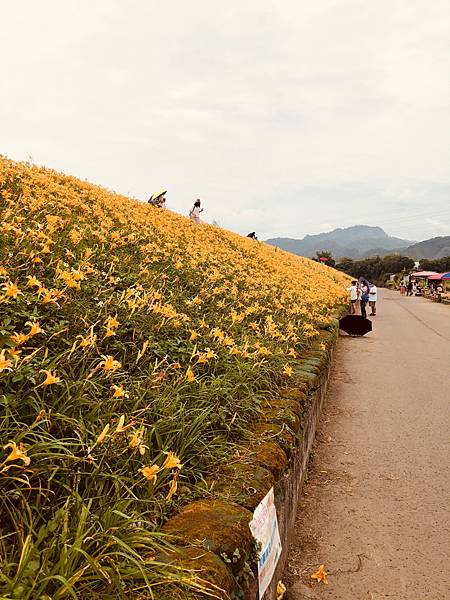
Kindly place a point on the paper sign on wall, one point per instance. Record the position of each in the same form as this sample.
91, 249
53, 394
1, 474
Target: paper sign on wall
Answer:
264, 527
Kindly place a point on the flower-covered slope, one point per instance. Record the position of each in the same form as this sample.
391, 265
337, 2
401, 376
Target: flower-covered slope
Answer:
135, 348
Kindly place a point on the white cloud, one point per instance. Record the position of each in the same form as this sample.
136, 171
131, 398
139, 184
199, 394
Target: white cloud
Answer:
281, 116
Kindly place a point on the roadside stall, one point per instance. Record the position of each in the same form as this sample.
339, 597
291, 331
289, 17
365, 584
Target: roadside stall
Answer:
421, 279
438, 284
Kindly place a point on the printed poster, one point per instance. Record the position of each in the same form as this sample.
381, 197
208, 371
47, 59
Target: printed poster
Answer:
264, 527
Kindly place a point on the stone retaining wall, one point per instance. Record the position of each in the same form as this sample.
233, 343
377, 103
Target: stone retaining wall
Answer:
213, 534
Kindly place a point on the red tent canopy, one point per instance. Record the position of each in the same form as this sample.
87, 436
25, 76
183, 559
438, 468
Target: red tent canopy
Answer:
440, 276
424, 273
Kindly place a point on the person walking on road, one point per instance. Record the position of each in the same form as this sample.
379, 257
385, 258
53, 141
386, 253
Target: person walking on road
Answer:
409, 288
373, 299
195, 211
353, 291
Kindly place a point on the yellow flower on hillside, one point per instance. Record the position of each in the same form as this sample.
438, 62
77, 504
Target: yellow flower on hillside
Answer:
5, 364
173, 487
137, 442
142, 351
35, 328
150, 472
172, 461
112, 323
119, 392
11, 290
50, 379
14, 354
287, 370
189, 374
19, 338
33, 281
121, 427
17, 453
109, 364
102, 435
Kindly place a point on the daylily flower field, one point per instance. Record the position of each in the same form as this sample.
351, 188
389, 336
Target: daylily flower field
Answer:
135, 350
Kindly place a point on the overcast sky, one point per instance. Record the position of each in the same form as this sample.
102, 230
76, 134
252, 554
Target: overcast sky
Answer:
287, 118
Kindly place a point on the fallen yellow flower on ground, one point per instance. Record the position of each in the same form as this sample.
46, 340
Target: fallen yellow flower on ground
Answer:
281, 590
320, 575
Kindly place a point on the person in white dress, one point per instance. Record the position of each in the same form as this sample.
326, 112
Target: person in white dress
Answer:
195, 211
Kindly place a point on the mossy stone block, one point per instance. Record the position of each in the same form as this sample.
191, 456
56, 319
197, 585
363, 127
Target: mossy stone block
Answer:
293, 393
271, 456
284, 404
282, 415
276, 433
244, 483
218, 526
205, 565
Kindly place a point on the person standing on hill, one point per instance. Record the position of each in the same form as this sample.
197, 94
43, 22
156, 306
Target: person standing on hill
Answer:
353, 291
373, 299
195, 211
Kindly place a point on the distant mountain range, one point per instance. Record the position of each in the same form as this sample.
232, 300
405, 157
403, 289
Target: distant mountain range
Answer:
437, 247
362, 241
354, 242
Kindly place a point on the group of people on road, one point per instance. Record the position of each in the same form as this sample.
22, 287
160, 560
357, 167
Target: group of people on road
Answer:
362, 293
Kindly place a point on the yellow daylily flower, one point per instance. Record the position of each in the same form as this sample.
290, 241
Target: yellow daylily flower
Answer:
150, 472
172, 461
5, 364
50, 379
119, 392
17, 453
173, 487
33, 281
287, 370
19, 338
189, 374
11, 290
102, 435
137, 443
121, 427
109, 364
35, 328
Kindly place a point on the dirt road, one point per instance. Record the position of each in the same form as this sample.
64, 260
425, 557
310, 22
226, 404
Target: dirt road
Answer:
376, 507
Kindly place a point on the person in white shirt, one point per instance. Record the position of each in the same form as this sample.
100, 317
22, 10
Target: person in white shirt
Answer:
195, 211
353, 291
373, 299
